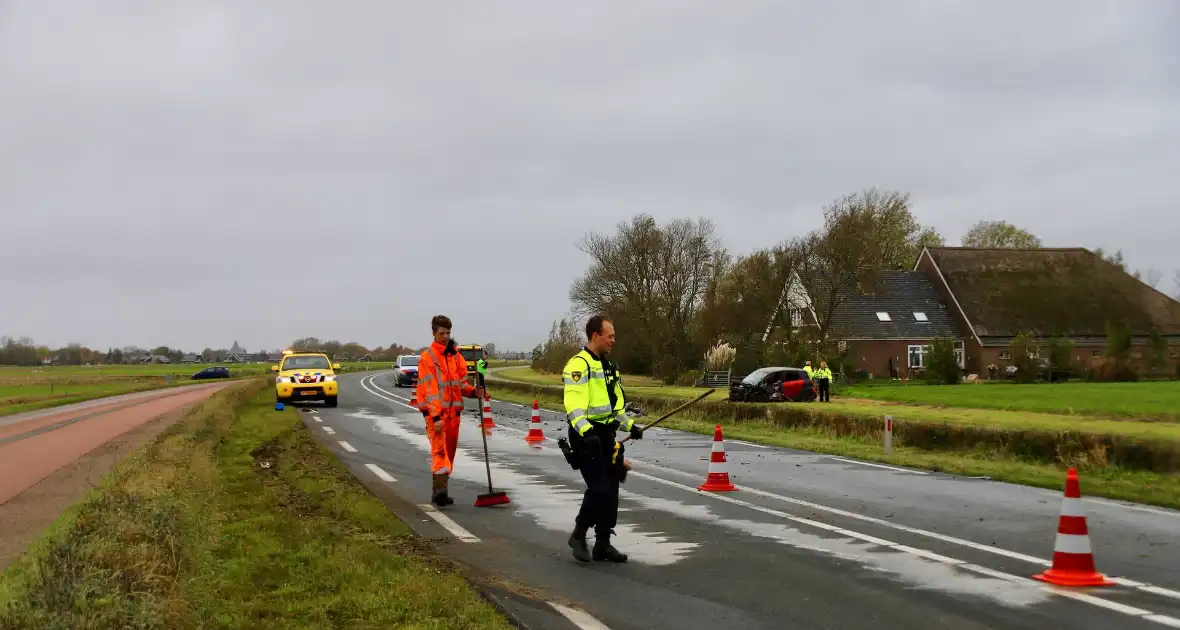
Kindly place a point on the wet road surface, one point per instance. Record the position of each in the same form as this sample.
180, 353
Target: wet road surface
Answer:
809, 541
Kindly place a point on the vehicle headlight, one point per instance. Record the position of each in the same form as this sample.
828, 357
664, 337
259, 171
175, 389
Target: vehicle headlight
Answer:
328, 378
280, 379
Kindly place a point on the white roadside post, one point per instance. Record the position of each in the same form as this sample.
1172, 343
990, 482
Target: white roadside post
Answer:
888, 435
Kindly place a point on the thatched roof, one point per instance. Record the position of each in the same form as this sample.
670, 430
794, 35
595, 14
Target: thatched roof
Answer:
1072, 292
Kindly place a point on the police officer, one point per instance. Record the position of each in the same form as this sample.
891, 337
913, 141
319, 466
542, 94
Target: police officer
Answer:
595, 408
823, 376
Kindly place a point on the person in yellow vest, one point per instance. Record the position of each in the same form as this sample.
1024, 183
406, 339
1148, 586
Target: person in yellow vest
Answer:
823, 376
596, 409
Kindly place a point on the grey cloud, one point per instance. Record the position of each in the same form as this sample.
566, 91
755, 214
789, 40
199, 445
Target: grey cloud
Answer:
193, 173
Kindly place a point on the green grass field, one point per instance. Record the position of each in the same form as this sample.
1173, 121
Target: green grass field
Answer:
1158, 400
235, 518
30, 388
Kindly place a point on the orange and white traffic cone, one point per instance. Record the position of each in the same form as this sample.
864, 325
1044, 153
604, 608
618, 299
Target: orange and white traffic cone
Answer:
487, 422
718, 478
535, 434
1073, 561
414, 396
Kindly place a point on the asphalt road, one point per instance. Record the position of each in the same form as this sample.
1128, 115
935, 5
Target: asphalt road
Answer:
809, 541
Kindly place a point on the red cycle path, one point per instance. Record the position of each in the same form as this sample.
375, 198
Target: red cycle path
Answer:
33, 449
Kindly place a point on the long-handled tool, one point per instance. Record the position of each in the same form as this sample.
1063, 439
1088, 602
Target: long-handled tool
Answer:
492, 497
671, 413
622, 467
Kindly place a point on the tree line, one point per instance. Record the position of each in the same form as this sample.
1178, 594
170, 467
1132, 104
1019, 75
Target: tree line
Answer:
674, 290
23, 351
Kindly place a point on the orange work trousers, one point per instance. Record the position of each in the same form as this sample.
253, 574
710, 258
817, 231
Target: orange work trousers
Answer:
444, 439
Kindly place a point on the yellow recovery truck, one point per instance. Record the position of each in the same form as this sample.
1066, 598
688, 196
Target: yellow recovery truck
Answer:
471, 353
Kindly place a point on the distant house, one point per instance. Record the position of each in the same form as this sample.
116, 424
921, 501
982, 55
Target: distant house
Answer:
191, 358
888, 329
995, 294
155, 358
238, 354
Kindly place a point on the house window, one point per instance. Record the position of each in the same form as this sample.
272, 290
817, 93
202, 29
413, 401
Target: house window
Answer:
1136, 354
1005, 355
960, 355
918, 356
920, 316
882, 316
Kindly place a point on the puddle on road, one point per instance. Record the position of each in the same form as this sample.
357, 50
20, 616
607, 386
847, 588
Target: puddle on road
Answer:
548, 504
553, 506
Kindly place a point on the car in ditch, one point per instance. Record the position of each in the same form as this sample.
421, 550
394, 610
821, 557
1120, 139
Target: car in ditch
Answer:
406, 372
774, 384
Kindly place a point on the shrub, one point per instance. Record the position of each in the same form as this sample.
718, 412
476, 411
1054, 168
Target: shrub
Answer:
942, 368
565, 340
1024, 353
1116, 365
720, 357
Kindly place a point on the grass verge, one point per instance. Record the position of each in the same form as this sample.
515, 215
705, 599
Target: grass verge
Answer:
1043, 466
235, 517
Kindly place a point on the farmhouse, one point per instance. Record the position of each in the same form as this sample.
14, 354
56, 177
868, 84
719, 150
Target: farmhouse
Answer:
995, 294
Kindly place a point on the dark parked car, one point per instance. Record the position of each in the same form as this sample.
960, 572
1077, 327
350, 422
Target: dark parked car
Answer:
773, 384
407, 371
212, 372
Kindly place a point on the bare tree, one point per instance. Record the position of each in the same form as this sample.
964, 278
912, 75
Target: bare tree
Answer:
652, 281
999, 234
1152, 277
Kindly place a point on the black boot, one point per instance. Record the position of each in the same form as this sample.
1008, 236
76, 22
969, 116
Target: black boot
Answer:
603, 550
439, 494
577, 542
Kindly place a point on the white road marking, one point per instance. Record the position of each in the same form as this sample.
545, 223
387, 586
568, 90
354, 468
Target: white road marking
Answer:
1089, 599
451, 526
904, 470
346, 446
329, 430
317, 419
860, 517
579, 618
748, 444
384, 476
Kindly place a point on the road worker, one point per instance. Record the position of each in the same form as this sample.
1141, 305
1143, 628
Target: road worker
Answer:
809, 370
442, 385
481, 370
596, 409
823, 376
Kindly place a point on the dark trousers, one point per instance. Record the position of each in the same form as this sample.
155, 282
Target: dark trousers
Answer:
600, 503
479, 377
824, 393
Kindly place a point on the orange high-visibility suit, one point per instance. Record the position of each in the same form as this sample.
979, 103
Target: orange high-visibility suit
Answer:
442, 384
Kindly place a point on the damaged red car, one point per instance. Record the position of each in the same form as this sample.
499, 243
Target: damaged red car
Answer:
774, 384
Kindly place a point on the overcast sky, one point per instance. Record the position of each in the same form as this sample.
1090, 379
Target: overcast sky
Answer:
191, 173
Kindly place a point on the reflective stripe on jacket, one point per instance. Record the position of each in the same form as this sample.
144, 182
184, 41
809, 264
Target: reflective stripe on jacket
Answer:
442, 381
823, 373
587, 394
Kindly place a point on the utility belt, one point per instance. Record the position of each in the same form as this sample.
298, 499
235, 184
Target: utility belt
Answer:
576, 454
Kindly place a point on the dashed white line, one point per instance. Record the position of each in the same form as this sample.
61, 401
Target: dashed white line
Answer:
329, 430
317, 419
451, 526
581, 619
346, 446
904, 470
381, 474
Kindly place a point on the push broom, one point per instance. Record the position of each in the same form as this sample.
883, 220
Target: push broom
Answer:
492, 497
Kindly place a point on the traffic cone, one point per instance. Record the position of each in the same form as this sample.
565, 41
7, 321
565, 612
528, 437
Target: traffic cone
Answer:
718, 479
1073, 562
535, 434
414, 396
487, 422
